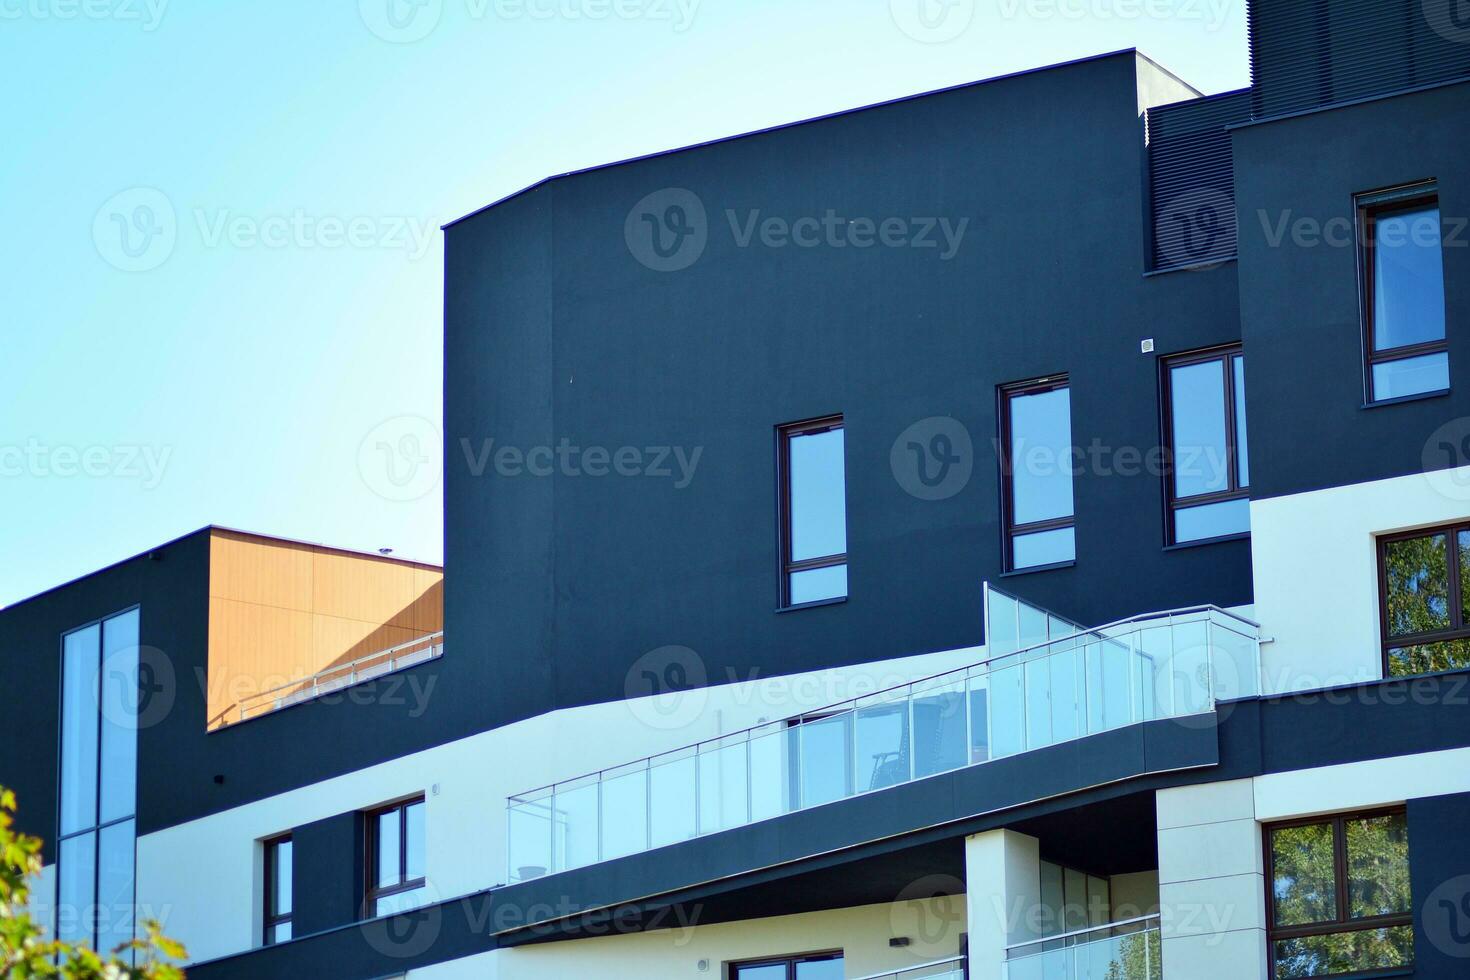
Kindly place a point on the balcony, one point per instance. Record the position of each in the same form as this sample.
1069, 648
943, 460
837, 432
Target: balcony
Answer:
1129, 950
950, 969
1047, 681
340, 676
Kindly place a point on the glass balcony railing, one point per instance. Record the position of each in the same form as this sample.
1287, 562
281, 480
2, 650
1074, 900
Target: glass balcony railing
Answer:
1047, 681
950, 969
1128, 950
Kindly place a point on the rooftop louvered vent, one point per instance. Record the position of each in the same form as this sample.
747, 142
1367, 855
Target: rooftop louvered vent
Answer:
1311, 53
1192, 180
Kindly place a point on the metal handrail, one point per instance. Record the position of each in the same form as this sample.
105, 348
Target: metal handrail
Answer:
1105, 927
955, 960
434, 642
847, 705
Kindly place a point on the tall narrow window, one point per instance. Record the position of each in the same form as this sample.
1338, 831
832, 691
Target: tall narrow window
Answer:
1403, 293
278, 890
1208, 477
1036, 464
1340, 901
99, 774
823, 966
395, 851
813, 490
1424, 584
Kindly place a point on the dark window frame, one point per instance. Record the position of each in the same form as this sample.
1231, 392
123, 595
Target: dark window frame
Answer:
787, 566
271, 917
1009, 529
1225, 354
732, 971
1371, 208
1456, 609
370, 839
1344, 923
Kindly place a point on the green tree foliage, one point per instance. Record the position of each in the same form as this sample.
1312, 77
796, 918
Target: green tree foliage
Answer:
1418, 585
25, 952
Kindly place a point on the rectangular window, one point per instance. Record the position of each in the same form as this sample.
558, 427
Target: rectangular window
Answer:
1402, 273
1072, 901
96, 854
395, 858
1340, 902
1036, 469
1424, 578
822, 966
813, 491
278, 890
1208, 478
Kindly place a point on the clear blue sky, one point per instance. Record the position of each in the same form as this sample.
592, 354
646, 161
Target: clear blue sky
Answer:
222, 264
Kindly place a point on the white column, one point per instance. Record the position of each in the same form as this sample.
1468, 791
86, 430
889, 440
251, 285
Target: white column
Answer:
1212, 889
1003, 891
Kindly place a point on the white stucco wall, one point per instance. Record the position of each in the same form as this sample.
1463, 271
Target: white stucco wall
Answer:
1316, 572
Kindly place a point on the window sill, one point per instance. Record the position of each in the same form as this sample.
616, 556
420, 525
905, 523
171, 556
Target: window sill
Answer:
1422, 396
1039, 568
811, 605
1204, 542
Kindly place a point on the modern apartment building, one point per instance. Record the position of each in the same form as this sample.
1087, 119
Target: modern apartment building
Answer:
1020, 531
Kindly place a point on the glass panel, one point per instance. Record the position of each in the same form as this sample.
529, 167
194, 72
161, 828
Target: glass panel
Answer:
119, 716
1008, 712
817, 584
414, 860
1033, 625
1348, 952
1038, 704
722, 787
1429, 658
625, 814
1041, 456
530, 838
401, 901
1066, 695
1378, 866
281, 871
1109, 685
81, 652
1075, 911
882, 745
1197, 413
1053, 898
576, 821
820, 970
939, 730
1408, 279
1212, 520
1155, 648
1302, 864
826, 766
1044, 548
671, 801
773, 757
771, 971
1417, 585
390, 858
77, 873
1242, 442
115, 886
1002, 633
979, 719
1194, 683
1411, 376
279, 933
818, 495
1099, 904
